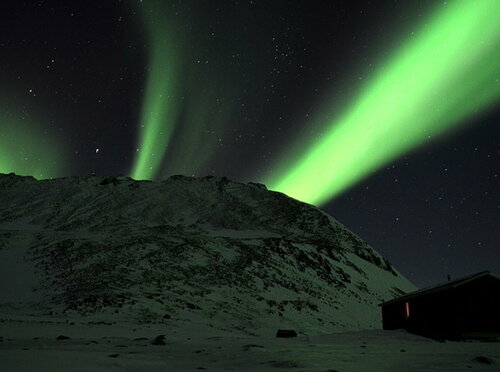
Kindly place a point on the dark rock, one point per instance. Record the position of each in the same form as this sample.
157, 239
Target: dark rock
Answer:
140, 339
484, 360
287, 364
167, 316
113, 355
179, 177
189, 305
62, 337
249, 346
109, 180
258, 185
286, 333
159, 340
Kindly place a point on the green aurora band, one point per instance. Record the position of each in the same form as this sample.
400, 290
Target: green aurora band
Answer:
205, 120
445, 73
191, 151
26, 149
159, 109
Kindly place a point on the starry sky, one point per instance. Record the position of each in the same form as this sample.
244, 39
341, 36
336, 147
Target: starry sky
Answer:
277, 92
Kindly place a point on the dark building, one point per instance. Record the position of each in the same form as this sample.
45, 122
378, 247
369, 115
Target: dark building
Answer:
463, 308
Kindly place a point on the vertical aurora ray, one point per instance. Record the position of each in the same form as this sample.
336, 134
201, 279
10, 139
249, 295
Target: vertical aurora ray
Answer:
445, 73
204, 124
188, 155
159, 106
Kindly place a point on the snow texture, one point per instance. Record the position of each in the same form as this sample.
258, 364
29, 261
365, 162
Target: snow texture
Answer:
235, 254
112, 274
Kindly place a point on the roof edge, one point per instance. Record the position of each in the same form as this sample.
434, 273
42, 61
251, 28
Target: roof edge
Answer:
440, 287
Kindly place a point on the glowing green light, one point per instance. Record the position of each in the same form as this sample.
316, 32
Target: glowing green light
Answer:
445, 73
159, 108
189, 154
26, 149
200, 132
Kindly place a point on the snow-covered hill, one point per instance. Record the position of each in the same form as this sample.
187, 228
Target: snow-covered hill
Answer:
233, 256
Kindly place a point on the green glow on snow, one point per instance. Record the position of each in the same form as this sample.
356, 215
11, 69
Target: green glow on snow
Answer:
26, 149
159, 106
445, 73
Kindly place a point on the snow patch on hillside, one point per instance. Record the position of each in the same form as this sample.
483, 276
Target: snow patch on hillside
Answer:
233, 255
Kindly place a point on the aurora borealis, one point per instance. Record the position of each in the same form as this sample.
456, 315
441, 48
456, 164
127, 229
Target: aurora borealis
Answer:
159, 108
27, 148
383, 113
421, 92
446, 72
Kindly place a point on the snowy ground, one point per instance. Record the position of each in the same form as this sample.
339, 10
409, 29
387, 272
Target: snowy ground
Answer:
213, 265
28, 342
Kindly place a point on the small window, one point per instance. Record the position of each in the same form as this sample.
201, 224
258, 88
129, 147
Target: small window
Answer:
407, 309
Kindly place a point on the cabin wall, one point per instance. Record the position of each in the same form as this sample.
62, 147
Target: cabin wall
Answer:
480, 305
473, 307
428, 315
432, 314
393, 316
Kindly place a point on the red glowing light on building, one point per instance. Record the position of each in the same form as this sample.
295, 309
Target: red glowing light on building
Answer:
407, 307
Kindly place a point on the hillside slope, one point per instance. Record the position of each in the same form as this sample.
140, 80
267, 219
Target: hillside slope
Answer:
234, 256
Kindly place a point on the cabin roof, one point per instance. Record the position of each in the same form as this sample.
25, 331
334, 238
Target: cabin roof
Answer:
441, 287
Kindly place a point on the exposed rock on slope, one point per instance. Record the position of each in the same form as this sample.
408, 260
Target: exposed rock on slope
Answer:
234, 255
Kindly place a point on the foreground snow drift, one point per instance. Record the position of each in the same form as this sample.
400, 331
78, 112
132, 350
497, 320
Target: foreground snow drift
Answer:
34, 341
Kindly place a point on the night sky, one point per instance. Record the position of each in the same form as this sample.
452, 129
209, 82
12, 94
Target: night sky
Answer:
244, 89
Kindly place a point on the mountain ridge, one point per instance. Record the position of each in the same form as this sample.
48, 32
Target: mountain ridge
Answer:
232, 254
